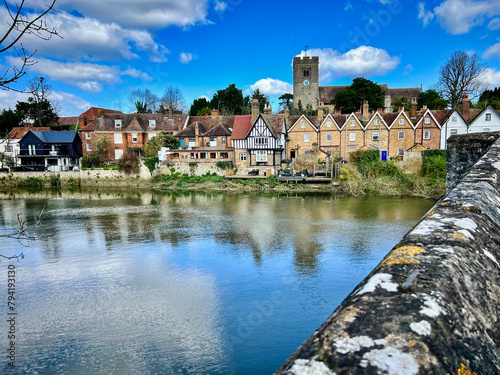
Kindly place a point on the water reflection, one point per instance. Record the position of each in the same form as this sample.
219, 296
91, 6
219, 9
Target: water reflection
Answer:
142, 282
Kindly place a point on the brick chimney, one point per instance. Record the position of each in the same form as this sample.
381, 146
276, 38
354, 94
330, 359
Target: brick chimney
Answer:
401, 109
413, 108
170, 113
82, 122
196, 131
214, 113
255, 109
268, 110
287, 117
366, 110
321, 114
100, 112
337, 112
424, 107
465, 105
380, 110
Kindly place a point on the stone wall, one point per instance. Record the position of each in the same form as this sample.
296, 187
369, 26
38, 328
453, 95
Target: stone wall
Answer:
432, 306
199, 170
464, 151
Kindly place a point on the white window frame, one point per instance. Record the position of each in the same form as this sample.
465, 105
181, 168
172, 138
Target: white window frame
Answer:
401, 151
118, 138
302, 124
307, 138
401, 121
328, 124
401, 134
376, 122
375, 136
243, 156
261, 141
87, 135
487, 117
427, 121
453, 131
134, 138
329, 137
118, 123
118, 153
453, 118
353, 122
261, 156
352, 137
88, 146
427, 134
152, 123
192, 142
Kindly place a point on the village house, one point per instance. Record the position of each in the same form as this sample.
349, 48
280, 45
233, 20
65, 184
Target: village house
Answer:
330, 139
302, 136
428, 129
9, 145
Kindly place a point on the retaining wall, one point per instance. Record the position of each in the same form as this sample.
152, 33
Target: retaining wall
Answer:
432, 306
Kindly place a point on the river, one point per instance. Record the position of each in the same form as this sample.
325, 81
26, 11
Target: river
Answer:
184, 283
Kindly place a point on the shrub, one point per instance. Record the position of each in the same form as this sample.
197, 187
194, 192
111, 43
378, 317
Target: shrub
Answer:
129, 164
434, 168
224, 165
90, 161
192, 167
31, 183
151, 163
426, 154
55, 181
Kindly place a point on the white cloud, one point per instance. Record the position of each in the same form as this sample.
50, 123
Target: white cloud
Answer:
186, 57
220, 6
8, 99
137, 74
272, 87
70, 104
147, 14
459, 16
425, 16
493, 51
91, 40
363, 61
492, 77
494, 24
408, 69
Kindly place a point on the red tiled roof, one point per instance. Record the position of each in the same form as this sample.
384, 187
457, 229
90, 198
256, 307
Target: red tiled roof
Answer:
93, 112
19, 132
67, 121
242, 125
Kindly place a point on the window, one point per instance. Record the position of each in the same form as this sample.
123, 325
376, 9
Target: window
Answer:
306, 72
223, 139
306, 99
328, 137
152, 123
454, 119
87, 135
376, 136
213, 155
118, 154
213, 141
401, 151
377, 122
89, 146
484, 130
31, 150
329, 124
353, 122
303, 91
224, 155
302, 124
401, 135
453, 131
134, 137
191, 142
488, 117
10, 148
118, 138
307, 138
243, 156
352, 137
261, 156
427, 134
261, 141
427, 120
118, 123
401, 121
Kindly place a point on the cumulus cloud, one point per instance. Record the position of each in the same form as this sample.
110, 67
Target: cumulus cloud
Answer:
493, 51
425, 16
220, 6
69, 103
8, 99
272, 87
91, 40
362, 61
132, 72
460, 16
492, 77
186, 57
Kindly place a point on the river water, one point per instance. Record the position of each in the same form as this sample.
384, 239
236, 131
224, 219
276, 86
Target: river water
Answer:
184, 283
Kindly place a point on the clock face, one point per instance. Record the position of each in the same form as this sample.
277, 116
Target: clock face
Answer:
306, 82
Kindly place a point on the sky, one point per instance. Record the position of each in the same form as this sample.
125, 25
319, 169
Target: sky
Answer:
107, 48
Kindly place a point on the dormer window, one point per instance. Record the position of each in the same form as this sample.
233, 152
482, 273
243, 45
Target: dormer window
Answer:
118, 123
152, 123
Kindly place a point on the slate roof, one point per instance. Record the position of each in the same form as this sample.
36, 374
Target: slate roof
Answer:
327, 93
19, 132
55, 137
241, 127
140, 122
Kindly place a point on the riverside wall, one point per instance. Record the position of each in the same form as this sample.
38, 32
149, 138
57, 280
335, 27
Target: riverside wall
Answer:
432, 306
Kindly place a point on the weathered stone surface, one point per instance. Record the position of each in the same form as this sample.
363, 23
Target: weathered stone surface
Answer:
433, 304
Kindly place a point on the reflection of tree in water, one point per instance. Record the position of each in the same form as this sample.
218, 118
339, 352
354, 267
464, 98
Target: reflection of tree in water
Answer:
306, 254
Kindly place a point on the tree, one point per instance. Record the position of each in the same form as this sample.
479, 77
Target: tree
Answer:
463, 74
286, 100
204, 111
101, 147
351, 99
143, 100
403, 102
263, 100
162, 139
230, 101
19, 25
9, 119
489, 97
38, 107
172, 99
432, 100
198, 105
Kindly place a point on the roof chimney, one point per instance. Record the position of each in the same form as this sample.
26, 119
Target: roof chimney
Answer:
413, 108
380, 110
196, 131
82, 122
268, 110
170, 113
214, 113
366, 110
465, 106
287, 117
401, 109
337, 112
255, 109
321, 114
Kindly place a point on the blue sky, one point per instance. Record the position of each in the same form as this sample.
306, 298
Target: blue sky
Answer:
110, 47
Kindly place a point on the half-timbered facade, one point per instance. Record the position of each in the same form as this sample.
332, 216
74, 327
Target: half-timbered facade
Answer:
258, 145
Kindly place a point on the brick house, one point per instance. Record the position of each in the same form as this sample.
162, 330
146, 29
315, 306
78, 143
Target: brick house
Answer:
302, 136
428, 130
330, 134
401, 134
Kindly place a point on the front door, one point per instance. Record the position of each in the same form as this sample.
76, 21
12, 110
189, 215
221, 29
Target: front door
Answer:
384, 155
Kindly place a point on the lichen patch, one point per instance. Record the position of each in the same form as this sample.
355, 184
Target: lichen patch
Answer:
431, 308
445, 250
422, 328
382, 280
427, 227
491, 256
390, 361
403, 255
308, 367
355, 344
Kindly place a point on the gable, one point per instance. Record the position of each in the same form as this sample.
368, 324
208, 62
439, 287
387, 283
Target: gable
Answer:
407, 122
334, 124
303, 121
260, 128
371, 123
481, 119
428, 114
353, 123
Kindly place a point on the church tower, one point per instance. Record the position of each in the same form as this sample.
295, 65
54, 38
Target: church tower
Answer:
306, 81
